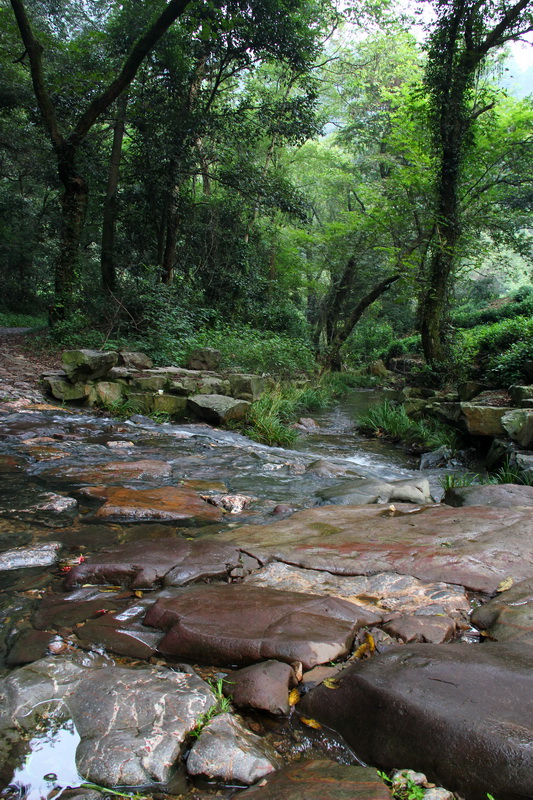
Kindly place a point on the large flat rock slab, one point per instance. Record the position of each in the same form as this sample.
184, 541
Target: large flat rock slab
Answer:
320, 780
147, 564
462, 714
239, 624
476, 547
163, 504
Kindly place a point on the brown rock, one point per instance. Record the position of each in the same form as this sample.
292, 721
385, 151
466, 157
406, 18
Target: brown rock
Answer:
168, 503
433, 629
434, 543
509, 615
463, 715
265, 686
239, 624
147, 563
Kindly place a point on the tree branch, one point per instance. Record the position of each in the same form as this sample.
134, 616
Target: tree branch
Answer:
140, 50
34, 50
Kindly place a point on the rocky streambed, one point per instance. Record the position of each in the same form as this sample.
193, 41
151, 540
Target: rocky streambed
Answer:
193, 614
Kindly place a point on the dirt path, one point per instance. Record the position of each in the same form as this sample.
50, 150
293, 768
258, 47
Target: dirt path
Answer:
22, 363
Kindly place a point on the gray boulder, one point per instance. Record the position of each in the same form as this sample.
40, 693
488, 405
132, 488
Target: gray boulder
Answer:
218, 409
518, 424
368, 490
504, 495
228, 751
204, 358
87, 364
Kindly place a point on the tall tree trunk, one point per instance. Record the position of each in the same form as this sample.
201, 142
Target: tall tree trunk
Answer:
109, 278
74, 208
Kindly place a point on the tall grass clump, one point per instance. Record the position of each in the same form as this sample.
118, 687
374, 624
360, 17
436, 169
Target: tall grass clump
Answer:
392, 422
270, 417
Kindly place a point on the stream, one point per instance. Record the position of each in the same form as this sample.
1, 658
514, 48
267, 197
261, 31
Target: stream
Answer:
48, 456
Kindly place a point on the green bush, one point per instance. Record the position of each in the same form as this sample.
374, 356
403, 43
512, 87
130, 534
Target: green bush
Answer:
498, 352
249, 350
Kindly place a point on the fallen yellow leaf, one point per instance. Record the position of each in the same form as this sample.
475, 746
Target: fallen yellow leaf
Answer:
294, 696
331, 683
505, 584
311, 723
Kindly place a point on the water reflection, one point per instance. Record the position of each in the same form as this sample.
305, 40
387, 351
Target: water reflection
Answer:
50, 766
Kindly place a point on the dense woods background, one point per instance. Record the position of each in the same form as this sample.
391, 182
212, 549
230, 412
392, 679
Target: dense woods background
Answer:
298, 184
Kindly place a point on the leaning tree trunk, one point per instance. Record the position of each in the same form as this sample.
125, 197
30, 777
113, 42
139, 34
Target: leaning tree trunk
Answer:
331, 360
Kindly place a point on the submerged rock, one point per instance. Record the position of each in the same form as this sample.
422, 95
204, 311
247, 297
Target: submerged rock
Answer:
320, 780
240, 624
461, 714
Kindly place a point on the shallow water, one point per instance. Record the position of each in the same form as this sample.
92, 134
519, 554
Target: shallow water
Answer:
46, 765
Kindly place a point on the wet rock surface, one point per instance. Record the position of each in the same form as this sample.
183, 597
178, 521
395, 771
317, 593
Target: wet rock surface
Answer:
509, 615
174, 562
320, 780
440, 709
132, 723
242, 624
145, 524
228, 751
432, 543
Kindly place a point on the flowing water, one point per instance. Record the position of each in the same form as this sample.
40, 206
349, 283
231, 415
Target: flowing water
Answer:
39, 447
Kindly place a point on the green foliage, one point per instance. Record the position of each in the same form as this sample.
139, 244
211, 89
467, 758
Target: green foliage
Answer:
510, 474
243, 348
392, 422
270, 416
407, 789
500, 351
456, 480
470, 315
9, 319
221, 706
337, 384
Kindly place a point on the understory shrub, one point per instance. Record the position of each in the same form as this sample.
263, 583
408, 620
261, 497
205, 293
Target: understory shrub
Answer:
499, 352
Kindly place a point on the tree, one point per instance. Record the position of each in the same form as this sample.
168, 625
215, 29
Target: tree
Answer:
465, 33
66, 145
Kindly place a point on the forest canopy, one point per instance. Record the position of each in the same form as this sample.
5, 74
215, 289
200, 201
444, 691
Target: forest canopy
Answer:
314, 184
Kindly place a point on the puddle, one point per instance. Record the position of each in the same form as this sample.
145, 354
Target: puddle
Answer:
48, 768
